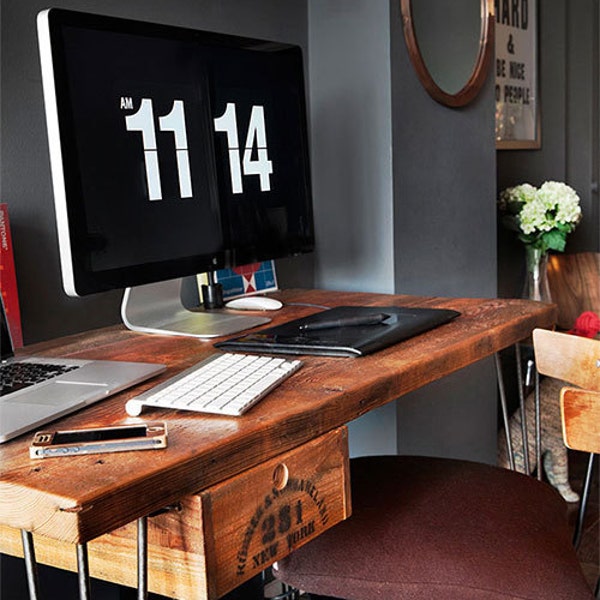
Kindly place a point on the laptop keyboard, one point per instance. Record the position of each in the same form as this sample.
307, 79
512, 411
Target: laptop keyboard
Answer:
17, 376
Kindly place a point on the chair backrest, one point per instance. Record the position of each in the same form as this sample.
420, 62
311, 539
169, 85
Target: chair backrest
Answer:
575, 360
574, 281
571, 358
580, 413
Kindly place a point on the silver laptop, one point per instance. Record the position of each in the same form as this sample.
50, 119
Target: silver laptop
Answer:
35, 390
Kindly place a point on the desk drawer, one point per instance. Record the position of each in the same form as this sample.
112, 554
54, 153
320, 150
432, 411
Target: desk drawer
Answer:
217, 539
260, 516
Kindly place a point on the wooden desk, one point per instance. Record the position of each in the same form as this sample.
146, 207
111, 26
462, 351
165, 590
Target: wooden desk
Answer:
75, 500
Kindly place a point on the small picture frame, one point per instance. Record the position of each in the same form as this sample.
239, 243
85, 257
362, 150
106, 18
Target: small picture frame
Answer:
256, 278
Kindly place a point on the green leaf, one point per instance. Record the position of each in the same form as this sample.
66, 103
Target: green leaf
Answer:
555, 240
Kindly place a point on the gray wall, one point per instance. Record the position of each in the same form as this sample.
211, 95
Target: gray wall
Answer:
444, 187
351, 116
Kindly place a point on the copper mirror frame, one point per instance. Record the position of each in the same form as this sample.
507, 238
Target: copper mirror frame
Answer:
478, 76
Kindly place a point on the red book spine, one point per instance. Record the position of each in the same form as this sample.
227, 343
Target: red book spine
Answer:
8, 279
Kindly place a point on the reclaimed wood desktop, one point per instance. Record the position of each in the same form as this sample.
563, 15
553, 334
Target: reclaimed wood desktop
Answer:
74, 500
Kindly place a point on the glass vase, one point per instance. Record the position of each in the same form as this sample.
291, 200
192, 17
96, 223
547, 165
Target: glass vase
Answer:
536, 275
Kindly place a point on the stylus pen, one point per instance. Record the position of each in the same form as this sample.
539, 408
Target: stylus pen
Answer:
374, 319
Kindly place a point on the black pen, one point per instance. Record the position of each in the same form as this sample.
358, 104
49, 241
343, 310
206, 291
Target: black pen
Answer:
373, 319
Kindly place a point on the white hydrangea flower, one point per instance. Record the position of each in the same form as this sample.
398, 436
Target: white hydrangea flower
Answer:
563, 199
517, 194
544, 216
533, 216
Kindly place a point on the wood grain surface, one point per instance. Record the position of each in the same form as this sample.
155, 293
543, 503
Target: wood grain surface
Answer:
574, 281
570, 358
580, 411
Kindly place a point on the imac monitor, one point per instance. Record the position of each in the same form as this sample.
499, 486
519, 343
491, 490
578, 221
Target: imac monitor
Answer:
173, 152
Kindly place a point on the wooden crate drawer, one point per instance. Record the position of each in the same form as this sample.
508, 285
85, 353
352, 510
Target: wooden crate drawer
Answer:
263, 514
215, 540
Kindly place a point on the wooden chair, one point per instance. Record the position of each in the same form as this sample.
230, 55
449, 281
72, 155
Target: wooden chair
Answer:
575, 360
425, 528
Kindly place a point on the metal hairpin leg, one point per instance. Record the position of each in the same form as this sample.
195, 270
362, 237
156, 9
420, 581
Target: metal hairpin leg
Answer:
142, 558
30, 564
538, 427
31, 567
585, 494
524, 429
500, 377
83, 564
83, 572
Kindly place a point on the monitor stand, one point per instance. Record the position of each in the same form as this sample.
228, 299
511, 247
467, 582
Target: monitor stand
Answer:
158, 308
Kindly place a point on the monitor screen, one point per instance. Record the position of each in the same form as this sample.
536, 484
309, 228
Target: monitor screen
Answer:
173, 151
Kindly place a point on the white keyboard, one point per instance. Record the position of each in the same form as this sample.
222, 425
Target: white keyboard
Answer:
225, 384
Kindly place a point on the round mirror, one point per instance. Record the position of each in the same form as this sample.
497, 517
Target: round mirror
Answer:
450, 46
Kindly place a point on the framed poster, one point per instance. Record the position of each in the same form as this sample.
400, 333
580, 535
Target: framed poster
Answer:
517, 101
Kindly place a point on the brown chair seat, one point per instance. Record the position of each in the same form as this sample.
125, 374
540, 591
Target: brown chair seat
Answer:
434, 528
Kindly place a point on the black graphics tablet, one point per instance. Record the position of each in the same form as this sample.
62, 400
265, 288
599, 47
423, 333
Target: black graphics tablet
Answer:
391, 324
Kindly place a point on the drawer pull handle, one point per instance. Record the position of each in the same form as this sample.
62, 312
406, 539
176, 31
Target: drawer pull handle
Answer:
281, 475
